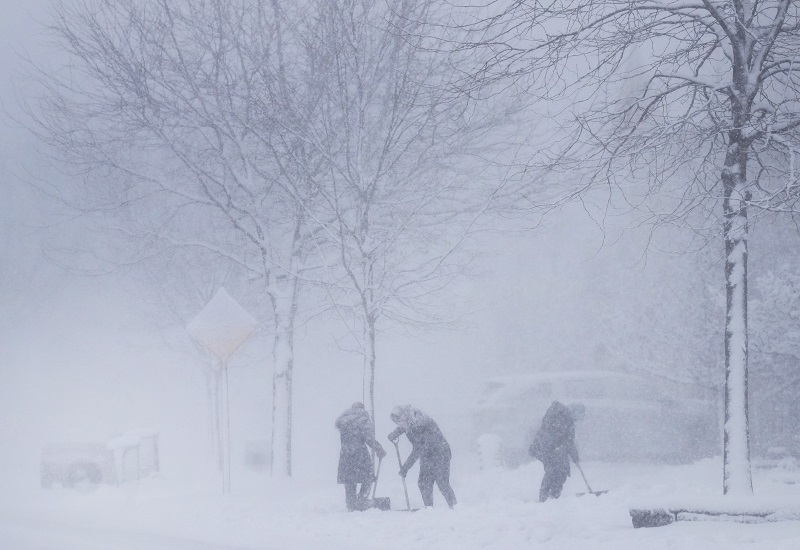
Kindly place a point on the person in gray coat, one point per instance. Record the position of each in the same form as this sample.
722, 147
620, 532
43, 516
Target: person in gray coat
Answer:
554, 445
430, 447
355, 461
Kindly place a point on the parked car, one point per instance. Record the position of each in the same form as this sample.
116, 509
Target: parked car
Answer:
628, 417
77, 465
84, 466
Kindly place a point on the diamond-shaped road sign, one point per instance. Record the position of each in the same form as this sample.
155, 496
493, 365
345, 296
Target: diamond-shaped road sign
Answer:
222, 326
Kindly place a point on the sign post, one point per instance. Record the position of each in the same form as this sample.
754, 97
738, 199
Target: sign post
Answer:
222, 326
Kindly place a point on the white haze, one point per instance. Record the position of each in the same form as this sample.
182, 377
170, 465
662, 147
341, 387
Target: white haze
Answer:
81, 361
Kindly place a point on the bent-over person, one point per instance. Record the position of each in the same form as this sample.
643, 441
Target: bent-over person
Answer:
554, 445
430, 447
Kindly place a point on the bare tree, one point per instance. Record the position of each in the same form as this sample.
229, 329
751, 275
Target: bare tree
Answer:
277, 137
399, 204
170, 112
698, 99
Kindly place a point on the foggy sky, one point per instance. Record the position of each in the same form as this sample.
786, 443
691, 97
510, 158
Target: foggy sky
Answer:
79, 360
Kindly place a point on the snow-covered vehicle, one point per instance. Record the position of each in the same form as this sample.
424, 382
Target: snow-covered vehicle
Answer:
77, 465
84, 466
628, 417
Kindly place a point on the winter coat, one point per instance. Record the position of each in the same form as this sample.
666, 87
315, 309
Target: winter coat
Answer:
554, 443
357, 433
429, 444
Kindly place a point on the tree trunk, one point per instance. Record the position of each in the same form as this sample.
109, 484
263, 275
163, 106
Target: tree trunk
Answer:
736, 443
371, 355
283, 356
282, 406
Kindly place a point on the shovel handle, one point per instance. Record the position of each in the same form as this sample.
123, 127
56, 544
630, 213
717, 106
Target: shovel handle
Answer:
584, 477
400, 463
377, 474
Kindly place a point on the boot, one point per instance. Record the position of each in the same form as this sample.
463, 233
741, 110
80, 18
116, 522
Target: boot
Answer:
364, 504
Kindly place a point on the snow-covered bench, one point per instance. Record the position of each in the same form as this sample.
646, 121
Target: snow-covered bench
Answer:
737, 509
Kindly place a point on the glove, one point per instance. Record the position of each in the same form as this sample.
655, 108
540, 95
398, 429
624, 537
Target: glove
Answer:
380, 452
394, 436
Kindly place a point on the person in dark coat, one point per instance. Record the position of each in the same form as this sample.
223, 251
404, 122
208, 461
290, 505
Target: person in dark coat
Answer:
554, 445
430, 447
355, 462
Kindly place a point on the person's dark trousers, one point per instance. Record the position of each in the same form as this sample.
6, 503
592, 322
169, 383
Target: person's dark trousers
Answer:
356, 501
552, 482
435, 470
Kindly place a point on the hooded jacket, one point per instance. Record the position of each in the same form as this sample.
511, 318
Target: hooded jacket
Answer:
424, 434
356, 433
554, 443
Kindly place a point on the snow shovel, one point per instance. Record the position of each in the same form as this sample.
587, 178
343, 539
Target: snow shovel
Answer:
381, 503
590, 492
400, 463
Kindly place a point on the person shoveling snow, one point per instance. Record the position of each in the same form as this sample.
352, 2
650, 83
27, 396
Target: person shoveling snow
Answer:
355, 462
554, 445
430, 446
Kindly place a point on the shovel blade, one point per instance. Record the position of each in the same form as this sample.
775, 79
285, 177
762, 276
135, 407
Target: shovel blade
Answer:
595, 493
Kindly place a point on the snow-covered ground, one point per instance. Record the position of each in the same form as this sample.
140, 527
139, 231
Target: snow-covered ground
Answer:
497, 509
